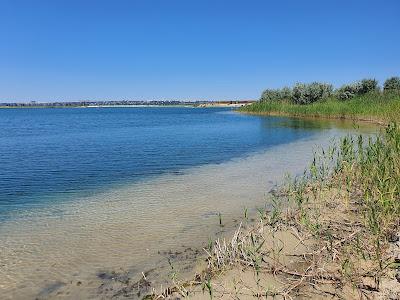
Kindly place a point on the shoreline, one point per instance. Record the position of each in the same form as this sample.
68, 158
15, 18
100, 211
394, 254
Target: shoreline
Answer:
311, 242
200, 105
235, 173
122, 281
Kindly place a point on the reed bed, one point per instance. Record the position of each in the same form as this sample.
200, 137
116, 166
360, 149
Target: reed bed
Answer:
374, 107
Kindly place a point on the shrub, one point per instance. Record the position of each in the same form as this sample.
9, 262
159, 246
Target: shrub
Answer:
348, 91
392, 85
368, 85
310, 93
276, 94
286, 93
269, 95
362, 87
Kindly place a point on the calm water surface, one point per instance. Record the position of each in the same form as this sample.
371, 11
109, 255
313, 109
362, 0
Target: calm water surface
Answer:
48, 153
89, 191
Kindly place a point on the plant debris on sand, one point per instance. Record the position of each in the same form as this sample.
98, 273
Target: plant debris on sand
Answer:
331, 233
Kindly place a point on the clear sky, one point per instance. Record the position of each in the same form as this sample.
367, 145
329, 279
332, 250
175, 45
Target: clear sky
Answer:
187, 49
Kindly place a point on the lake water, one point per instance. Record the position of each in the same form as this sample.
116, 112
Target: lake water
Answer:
88, 192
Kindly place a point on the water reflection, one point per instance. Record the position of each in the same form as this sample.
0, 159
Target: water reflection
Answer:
314, 124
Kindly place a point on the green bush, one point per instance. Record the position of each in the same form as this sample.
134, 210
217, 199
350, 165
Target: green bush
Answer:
309, 93
306, 93
286, 93
358, 88
368, 85
348, 91
392, 85
276, 94
269, 95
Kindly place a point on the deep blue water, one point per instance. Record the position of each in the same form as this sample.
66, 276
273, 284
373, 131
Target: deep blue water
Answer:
51, 154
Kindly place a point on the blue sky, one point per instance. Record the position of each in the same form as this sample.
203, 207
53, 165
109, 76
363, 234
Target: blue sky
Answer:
188, 49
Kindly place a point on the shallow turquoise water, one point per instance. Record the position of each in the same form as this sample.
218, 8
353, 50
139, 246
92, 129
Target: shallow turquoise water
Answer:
49, 155
85, 192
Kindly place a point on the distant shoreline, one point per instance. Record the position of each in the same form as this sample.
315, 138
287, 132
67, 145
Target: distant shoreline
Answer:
198, 104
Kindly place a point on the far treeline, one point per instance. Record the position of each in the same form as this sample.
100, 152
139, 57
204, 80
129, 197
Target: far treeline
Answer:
361, 99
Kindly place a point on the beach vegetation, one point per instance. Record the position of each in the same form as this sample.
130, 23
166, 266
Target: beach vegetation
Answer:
362, 100
358, 88
330, 232
304, 93
392, 85
270, 95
